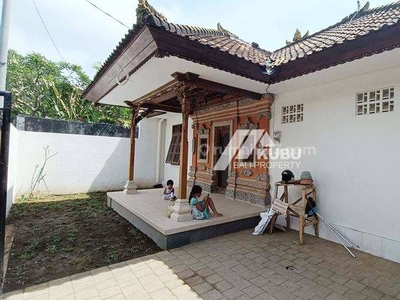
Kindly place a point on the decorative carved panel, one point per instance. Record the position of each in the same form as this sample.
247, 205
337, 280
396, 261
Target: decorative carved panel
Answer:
247, 172
184, 93
248, 124
262, 177
265, 114
233, 174
203, 130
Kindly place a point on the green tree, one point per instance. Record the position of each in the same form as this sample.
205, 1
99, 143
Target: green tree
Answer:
42, 88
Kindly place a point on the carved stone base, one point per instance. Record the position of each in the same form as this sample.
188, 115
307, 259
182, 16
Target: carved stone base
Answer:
255, 190
130, 187
207, 181
181, 211
208, 187
256, 197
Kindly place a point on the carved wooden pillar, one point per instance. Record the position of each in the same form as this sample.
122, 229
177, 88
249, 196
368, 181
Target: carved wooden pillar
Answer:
183, 170
269, 98
181, 209
130, 186
265, 178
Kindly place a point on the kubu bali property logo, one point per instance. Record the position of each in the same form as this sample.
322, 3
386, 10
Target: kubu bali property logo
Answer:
255, 148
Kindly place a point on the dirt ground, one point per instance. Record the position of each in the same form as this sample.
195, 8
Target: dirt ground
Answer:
61, 235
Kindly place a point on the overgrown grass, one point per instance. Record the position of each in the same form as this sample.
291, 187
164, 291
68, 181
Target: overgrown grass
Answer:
61, 235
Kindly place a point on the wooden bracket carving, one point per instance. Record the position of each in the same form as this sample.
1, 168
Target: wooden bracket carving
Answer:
247, 172
264, 114
184, 93
203, 130
248, 124
135, 111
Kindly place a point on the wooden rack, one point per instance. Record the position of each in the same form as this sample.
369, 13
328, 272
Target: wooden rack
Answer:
297, 208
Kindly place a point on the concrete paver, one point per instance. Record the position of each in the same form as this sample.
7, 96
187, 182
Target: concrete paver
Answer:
234, 266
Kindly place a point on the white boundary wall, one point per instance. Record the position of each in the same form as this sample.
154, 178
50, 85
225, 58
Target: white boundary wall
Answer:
83, 163
357, 163
12, 167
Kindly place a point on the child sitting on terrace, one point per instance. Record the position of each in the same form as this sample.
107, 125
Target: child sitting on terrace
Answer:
169, 191
200, 208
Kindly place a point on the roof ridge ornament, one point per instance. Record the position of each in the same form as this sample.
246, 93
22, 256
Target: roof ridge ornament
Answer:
226, 32
357, 13
144, 10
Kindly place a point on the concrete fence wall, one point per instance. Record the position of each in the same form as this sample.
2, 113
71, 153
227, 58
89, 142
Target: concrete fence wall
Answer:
81, 163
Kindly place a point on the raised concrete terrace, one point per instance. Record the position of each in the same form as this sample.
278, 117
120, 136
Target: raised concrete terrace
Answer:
147, 211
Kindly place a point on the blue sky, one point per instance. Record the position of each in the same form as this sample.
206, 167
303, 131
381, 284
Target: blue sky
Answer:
85, 36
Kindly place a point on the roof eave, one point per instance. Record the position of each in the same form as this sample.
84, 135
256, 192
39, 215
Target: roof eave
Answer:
152, 41
182, 47
385, 39
134, 54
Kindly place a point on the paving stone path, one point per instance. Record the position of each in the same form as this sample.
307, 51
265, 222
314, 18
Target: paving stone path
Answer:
234, 266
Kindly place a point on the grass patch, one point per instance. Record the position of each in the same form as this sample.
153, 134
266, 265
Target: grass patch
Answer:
61, 235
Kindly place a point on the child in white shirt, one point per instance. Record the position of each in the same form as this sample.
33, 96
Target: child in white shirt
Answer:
169, 191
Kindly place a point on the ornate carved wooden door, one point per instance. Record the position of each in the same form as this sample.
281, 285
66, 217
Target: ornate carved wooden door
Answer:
222, 137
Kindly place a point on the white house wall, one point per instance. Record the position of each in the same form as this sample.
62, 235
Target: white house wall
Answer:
356, 166
146, 153
172, 171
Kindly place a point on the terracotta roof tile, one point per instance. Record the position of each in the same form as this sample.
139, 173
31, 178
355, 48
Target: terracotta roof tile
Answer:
350, 28
234, 46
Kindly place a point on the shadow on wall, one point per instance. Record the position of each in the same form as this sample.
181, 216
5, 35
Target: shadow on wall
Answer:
10, 198
112, 176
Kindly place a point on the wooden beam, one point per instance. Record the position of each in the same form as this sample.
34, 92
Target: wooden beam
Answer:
163, 93
135, 112
167, 95
156, 113
161, 107
216, 102
144, 115
214, 86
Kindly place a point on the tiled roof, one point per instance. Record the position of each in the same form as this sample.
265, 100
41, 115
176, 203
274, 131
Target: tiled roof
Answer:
350, 28
355, 26
219, 38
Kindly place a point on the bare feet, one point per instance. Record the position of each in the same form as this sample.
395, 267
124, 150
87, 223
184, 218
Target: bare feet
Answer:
218, 215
